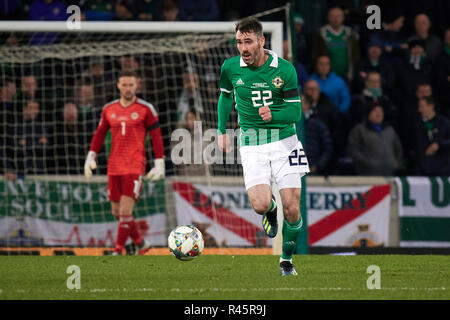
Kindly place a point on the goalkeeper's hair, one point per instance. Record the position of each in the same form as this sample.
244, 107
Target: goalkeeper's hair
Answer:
250, 24
127, 73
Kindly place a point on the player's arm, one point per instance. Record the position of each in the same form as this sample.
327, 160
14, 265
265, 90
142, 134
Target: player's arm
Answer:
96, 145
159, 170
224, 106
292, 112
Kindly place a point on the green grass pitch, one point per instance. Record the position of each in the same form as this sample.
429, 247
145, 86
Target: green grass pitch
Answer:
225, 277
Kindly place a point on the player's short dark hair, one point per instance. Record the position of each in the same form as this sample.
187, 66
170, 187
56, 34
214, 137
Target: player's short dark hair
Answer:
247, 25
127, 73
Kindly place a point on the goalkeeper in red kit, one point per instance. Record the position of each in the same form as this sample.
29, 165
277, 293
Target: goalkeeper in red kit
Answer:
129, 118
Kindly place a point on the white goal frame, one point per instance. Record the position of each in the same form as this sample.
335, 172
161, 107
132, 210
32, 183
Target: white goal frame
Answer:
274, 28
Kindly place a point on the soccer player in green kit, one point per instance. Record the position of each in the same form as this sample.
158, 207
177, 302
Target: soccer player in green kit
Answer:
268, 103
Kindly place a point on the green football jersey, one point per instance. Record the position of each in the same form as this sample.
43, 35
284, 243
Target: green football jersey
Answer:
273, 84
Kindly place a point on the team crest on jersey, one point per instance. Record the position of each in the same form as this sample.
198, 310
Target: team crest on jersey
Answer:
113, 116
277, 82
134, 115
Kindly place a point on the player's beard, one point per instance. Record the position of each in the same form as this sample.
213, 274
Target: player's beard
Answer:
254, 56
128, 96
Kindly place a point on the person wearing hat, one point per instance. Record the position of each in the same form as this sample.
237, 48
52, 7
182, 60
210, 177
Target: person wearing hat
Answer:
391, 37
376, 62
414, 69
374, 145
303, 42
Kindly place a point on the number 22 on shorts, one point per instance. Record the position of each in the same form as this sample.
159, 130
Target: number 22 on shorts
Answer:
297, 158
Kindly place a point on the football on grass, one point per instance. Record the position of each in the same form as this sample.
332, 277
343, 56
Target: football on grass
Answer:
186, 242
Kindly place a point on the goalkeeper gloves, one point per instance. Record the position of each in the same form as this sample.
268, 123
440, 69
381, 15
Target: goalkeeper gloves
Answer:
90, 164
158, 171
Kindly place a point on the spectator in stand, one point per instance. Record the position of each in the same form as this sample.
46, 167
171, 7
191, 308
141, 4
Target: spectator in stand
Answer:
302, 72
68, 142
28, 141
322, 106
88, 116
374, 146
331, 84
143, 9
373, 92
170, 10
408, 121
339, 42
414, 70
8, 91
431, 148
49, 10
325, 110
8, 119
374, 62
123, 10
441, 76
29, 89
394, 42
198, 10
102, 82
190, 97
190, 121
97, 10
433, 45
303, 42
318, 142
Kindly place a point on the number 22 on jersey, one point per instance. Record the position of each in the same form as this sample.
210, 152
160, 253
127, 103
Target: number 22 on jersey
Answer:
261, 98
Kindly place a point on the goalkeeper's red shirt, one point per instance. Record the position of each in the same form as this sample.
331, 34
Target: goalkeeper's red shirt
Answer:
129, 126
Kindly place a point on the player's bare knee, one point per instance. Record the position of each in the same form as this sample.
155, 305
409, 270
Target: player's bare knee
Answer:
261, 207
291, 213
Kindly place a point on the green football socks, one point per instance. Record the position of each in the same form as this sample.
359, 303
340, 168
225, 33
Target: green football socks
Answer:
291, 232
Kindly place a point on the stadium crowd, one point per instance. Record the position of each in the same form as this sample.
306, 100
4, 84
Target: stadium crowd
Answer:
375, 102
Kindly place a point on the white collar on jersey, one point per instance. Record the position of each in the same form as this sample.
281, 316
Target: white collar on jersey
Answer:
273, 64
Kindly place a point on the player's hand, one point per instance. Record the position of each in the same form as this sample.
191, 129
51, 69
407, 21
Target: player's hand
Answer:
224, 143
90, 164
265, 113
158, 171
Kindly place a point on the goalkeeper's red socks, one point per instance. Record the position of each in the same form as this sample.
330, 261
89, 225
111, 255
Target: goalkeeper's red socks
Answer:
127, 227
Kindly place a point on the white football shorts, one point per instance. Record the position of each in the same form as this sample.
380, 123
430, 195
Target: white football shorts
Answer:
284, 160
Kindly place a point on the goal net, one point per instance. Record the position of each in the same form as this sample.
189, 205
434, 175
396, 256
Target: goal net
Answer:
54, 83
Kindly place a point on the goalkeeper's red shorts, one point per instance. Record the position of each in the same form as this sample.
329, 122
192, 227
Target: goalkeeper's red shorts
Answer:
125, 185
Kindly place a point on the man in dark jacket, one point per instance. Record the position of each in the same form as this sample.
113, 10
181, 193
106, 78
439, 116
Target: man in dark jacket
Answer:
373, 92
318, 142
441, 76
374, 146
431, 141
374, 62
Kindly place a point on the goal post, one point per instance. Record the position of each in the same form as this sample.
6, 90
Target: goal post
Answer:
49, 203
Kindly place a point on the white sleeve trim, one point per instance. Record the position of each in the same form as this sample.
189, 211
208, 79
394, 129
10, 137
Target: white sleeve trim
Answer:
225, 90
